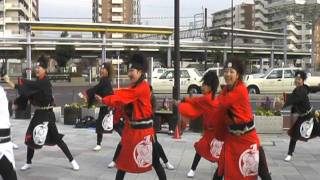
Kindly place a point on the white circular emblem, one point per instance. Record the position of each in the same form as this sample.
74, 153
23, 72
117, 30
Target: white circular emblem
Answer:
249, 161
142, 153
40, 133
306, 128
229, 64
107, 122
215, 147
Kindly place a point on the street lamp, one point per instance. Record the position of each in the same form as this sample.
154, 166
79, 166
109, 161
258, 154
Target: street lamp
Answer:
232, 27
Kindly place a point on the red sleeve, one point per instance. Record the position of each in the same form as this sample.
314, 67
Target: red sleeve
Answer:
189, 111
122, 97
195, 107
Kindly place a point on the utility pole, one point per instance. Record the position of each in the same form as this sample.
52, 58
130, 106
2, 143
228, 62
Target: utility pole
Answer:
205, 37
232, 27
176, 87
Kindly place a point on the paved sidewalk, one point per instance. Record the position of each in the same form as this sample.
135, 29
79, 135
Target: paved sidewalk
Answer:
50, 163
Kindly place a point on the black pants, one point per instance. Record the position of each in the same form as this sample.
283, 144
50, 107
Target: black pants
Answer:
117, 127
117, 152
99, 138
160, 150
61, 144
173, 123
195, 162
263, 171
6, 169
155, 163
292, 146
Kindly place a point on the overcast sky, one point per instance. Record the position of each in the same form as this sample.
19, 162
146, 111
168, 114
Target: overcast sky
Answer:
151, 10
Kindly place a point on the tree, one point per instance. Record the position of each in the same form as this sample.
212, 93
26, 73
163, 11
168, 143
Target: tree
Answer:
64, 53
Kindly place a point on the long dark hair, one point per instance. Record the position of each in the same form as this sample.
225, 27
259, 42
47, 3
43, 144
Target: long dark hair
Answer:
108, 66
211, 79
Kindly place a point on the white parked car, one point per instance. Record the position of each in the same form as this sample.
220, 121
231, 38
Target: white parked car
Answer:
218, 70
190, 81
156, 73
277, 80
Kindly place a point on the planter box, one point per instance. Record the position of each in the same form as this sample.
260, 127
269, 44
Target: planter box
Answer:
71, 115
269, 124
93, 112
57, 113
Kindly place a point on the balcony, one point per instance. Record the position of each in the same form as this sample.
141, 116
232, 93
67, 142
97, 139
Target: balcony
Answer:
10, 20
294, 30
117, 1
117, 18
11, 6
117, 9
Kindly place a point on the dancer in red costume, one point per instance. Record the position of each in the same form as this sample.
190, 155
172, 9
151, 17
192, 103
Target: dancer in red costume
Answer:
242, 157
137, 154
208, 147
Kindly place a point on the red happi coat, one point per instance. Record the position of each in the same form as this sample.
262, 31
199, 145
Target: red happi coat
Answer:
209, 146
239, 158
136, 152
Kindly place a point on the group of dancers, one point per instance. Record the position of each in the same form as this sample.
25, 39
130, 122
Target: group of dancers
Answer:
229, 138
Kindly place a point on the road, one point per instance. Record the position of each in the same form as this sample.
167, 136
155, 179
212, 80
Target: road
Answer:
68, 93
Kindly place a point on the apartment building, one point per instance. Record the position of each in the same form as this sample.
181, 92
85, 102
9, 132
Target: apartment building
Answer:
243, 18
13, 11
115, 12
284, 18
275, 16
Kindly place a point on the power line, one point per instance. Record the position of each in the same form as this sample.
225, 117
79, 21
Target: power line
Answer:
155, 17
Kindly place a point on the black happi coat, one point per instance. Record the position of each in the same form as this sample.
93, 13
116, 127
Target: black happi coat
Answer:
300, 104
103, 88
39, 94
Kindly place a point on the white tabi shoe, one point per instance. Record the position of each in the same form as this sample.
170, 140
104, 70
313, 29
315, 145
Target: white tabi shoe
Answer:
190, 174
112, 164
75, 165
97, 148
169, 166
288, 158
25, 167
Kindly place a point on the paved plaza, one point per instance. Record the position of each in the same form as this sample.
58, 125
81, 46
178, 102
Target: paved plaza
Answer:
50, 163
